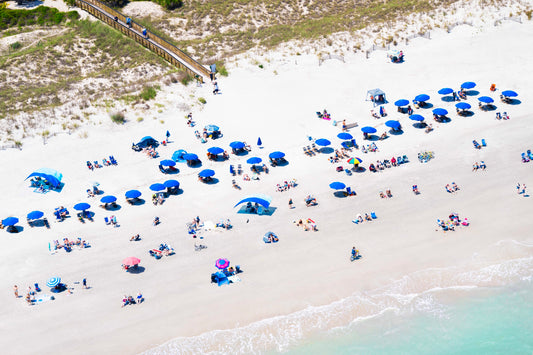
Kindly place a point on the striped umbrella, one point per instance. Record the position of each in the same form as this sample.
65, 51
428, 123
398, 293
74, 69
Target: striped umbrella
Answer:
355, 161
131, 261
53, 281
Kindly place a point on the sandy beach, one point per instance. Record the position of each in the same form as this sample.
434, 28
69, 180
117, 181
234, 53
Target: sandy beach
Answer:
305, 282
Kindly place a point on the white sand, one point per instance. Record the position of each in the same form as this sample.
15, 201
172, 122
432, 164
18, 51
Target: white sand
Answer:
304, 268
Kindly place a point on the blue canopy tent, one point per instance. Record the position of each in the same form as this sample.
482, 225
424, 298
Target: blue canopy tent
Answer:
445, 91
52, 176
133, 194
463, 105
147, 141
177, 156
215, 150
260, 199
377, 96
509, 93
422, 98
401, 103
211, 128
322, 142
468, 85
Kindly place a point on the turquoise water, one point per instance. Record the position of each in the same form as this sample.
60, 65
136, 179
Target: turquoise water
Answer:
477, 321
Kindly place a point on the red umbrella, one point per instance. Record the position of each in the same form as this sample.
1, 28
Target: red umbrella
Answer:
131, 261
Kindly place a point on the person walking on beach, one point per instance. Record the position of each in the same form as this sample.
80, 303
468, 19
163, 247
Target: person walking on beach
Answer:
84, 283
518, 188
291, 204
16, 291
523, 192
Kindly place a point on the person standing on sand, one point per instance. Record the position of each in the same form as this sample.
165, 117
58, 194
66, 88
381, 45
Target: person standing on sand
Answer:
523, 189
291, 204
518, 188
84, 283
16, 291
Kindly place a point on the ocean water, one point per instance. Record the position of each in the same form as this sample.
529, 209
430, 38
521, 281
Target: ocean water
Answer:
489, 320
483, 307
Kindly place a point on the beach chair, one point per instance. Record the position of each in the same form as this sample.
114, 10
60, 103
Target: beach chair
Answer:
239, 169
349, 191
315, 149
483, 143
106, 220
373, 215
112, 160
310, 150
525, 158
405, 159
476, 144
529, 154
399, 160
356, 221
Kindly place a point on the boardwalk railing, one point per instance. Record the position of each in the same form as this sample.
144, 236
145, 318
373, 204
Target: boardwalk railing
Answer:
510, 18
151, 41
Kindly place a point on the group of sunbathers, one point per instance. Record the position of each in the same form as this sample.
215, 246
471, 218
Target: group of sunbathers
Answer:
478, 166
310, 201
111, 220
307, 225
368, 217
339, 155
452, 222
415, 190
158, 198
130, 300
150, 151
452, 188
286, 185
387, 194
424, 157
224, 224
369, 148
105, 162
135, 238
324, 115
67, 244
527, 156
502, 116
164, 249
381, 165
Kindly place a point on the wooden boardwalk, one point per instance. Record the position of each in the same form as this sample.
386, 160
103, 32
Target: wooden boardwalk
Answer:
151, 41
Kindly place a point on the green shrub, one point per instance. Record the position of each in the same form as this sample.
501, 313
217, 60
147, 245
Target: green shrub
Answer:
15, 45
202, 100
170, 4
221, 69
148, 93
42, 15
118, 118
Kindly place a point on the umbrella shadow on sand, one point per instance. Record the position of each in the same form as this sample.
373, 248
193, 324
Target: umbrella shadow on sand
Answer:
14, 229
136, 201
514, 102
326, 150
136, 270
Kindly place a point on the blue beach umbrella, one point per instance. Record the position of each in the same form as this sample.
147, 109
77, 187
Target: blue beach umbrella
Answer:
157, 187
440, 112
322, 142
393, 124
178, 155
35, 215
509, 93
133, 194
445, 91
276, 155
368, 129
206, 173
10, 221
190, 156
422, 98
463, 105
108, 199
53, 281
468, 85
236, 145
171, 183
167, 162
485, 99
82, 206
254, 160
401, 103
337, 185
344, 136
418, 118
215, 150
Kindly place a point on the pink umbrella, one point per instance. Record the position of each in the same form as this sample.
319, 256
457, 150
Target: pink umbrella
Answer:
222, 263
131, 261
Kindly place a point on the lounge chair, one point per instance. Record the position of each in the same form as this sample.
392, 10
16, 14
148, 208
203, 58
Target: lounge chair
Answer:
405, 159
529, 154
112, 160
399, 160
373, 215
483, 143
106, 220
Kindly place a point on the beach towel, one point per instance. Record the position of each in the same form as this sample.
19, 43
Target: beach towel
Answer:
43, 298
